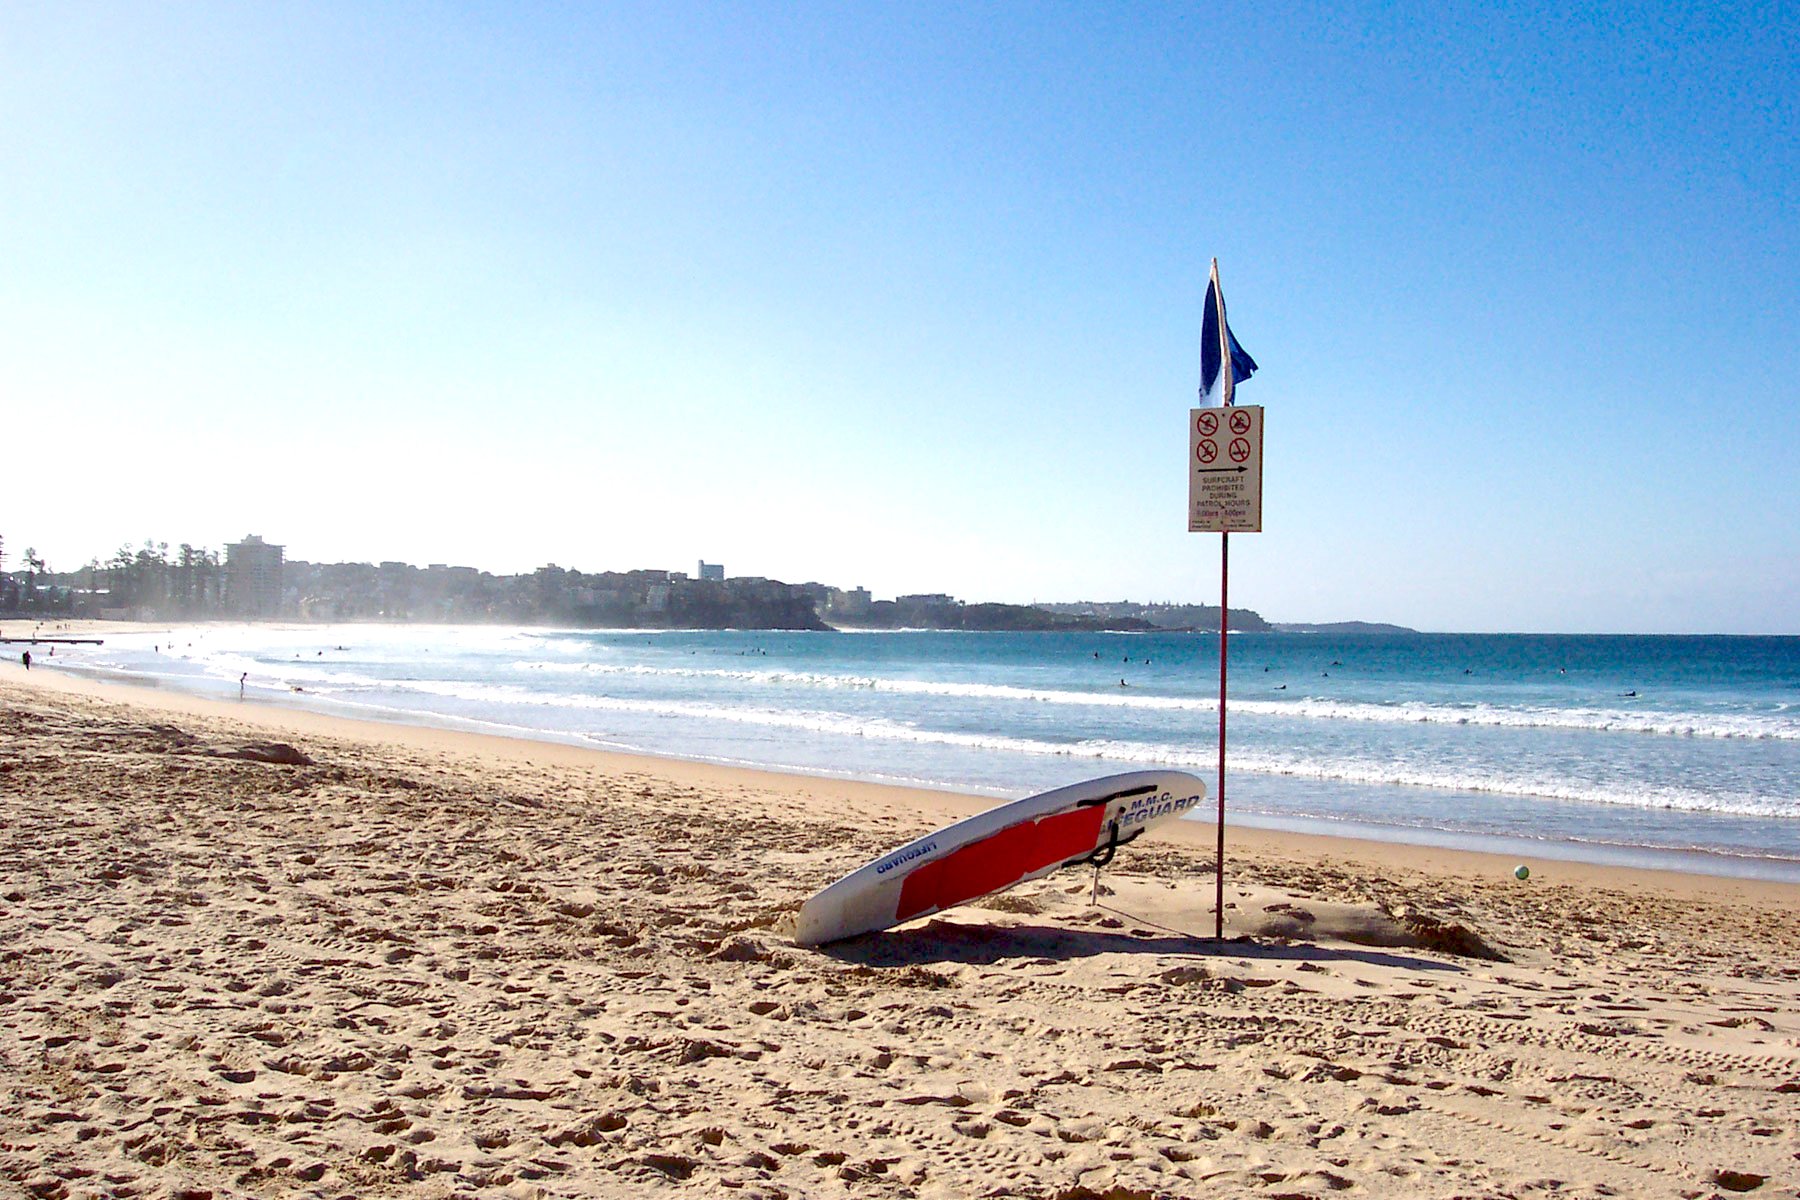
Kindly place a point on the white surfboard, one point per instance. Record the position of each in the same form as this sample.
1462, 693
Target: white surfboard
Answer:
995, 850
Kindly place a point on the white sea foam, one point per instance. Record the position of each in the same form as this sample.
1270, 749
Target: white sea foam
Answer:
1339, 768
1779, 724
1600, 720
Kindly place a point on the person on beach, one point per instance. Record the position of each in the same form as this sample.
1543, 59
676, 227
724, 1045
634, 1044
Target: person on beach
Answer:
26, 659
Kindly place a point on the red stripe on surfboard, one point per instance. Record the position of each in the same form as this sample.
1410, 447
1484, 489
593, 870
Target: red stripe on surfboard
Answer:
999, 860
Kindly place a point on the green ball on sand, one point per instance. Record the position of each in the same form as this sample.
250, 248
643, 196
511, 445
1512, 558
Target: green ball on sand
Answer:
1521, 872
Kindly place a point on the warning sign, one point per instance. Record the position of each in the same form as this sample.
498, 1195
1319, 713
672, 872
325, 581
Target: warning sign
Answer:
1225, 469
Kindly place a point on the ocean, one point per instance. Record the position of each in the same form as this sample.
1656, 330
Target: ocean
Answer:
1675, 752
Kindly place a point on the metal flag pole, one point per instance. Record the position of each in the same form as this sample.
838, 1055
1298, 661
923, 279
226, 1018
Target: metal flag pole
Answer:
1224, 622
1225, 391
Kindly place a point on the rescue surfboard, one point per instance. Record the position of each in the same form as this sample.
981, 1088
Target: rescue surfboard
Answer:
997, 849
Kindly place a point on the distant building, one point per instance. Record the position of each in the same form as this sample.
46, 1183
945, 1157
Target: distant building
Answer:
848, 603
253, 577
711, 571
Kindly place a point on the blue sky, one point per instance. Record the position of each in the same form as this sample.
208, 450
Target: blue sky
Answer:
908, 296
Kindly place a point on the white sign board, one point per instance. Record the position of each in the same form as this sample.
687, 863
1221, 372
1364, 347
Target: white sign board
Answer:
1225, 469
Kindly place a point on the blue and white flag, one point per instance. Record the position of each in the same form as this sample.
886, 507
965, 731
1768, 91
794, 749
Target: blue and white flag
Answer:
1223, 363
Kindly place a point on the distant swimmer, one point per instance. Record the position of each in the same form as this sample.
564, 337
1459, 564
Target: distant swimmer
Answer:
1629, 695
1281, 687
1122, 683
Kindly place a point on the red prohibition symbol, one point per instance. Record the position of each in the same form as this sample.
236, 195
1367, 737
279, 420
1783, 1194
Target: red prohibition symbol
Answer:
1240, 423
1209, 424
1208, 451
1239, 449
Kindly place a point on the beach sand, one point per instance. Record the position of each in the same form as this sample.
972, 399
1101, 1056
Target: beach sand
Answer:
422, 963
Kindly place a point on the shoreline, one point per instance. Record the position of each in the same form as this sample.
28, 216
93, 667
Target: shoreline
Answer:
935, 807
1561, 855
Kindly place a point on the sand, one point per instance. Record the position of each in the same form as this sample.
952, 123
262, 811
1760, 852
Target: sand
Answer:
405, 962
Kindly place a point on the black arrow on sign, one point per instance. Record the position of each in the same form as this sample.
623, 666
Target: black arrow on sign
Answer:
1218, 470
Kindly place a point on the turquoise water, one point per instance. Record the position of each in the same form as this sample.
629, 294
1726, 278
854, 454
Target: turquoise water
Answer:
1672, 751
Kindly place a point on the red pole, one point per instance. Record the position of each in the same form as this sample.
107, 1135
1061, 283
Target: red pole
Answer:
1224, 622
1217, 292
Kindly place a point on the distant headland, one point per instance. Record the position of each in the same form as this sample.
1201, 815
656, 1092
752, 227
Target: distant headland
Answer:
254, 580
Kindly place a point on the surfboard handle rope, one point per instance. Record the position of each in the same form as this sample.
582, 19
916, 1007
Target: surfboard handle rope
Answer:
1103, 856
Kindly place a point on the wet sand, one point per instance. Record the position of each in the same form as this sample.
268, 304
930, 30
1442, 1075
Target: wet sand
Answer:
413, 962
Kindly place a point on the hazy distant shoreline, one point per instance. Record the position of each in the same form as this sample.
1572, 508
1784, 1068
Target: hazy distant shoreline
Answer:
975, 618
253, 581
